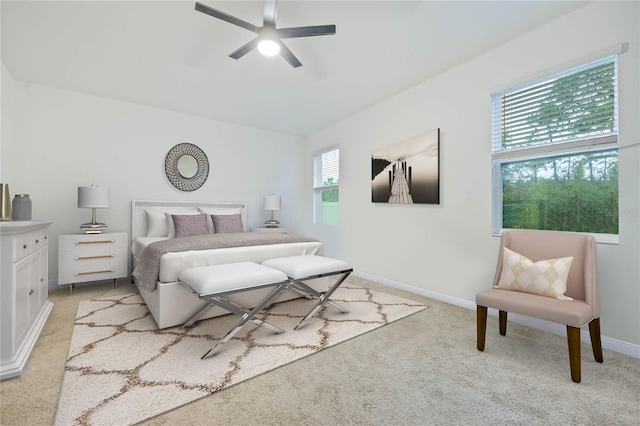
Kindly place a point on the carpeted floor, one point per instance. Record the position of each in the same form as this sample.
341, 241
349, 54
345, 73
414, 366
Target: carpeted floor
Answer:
424, 369
108, 383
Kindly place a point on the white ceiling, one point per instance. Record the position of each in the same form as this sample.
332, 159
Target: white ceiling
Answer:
167, 55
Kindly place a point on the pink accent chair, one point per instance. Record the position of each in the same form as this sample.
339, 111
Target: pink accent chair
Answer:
582, 286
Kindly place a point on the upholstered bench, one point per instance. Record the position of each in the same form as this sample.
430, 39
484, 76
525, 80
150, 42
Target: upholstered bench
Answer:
215, 283
303, 268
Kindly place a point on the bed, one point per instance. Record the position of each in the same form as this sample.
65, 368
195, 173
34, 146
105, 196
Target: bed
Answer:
169, 301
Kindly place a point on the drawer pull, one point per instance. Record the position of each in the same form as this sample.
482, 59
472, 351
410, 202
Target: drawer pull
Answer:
37, 241
30, 292
94, 257
96, 242
104, 271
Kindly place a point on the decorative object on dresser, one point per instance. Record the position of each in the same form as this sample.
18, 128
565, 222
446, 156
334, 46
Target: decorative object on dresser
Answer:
87, 257
21, 207
5, 202
24, 294
186, 167
93, 197
272, 203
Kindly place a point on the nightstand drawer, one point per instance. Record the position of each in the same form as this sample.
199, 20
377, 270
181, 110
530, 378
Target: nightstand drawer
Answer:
91, 245
271, 230
91, 268
83, 258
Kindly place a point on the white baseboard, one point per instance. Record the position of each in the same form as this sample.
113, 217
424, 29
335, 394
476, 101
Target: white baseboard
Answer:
615, 345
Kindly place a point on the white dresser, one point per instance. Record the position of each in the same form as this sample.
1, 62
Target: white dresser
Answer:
92, 257
24, 293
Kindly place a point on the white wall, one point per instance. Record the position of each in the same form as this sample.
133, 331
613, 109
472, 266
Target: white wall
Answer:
448, 248
6, 125
64, 139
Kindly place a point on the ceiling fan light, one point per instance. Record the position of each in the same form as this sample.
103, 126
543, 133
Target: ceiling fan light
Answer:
268, 47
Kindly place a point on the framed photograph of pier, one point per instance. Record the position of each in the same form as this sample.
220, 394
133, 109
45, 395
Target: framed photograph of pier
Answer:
407, 172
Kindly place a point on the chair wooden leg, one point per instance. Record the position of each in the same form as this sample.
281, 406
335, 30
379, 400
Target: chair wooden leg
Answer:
573, 337
596, 343
482, 326
502, 316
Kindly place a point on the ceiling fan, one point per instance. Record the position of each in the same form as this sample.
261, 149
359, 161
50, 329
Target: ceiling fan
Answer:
269, 38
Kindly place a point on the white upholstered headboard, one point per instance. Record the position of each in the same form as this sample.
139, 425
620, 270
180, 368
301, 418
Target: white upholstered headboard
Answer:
139, 217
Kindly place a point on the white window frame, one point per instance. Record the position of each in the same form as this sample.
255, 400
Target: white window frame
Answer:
318, 189
566, 148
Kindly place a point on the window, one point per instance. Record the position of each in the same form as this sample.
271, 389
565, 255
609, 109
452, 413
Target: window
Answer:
325, 186
554, 153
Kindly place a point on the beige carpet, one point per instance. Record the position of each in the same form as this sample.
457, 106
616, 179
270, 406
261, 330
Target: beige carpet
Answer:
122, 370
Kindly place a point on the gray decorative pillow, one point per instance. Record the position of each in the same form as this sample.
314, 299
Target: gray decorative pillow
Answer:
228, 223
187, 225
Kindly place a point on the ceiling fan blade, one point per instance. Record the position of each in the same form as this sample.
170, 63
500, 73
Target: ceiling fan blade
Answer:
239, 53
288, 56
316, 30
225, 17
270, 12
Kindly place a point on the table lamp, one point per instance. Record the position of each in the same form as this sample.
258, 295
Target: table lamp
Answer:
272, 203
93, 197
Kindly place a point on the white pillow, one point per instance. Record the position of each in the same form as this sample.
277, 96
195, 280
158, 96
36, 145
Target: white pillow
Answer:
218, 211
169, 221
545, 277
157, 225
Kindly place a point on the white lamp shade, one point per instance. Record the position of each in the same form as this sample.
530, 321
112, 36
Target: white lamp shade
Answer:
272, 202
93, 197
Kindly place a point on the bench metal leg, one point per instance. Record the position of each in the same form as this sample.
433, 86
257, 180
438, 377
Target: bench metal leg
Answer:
231, 307
309, 293
246, 316
235, 309
305, 294
195, 317
322, 297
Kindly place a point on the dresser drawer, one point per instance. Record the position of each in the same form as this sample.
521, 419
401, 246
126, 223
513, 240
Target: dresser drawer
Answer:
23, 246
29, 242
39, 239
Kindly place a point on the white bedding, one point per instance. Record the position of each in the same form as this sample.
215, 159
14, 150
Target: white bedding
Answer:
172, 304
172, 264
138, 244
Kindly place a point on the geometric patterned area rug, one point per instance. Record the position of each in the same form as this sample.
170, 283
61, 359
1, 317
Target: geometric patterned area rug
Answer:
122, 370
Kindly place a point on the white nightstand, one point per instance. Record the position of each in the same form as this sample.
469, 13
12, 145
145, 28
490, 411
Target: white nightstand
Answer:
272, 230
92, 257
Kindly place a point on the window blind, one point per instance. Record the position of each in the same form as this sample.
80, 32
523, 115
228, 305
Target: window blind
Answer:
579, 104
327, 168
